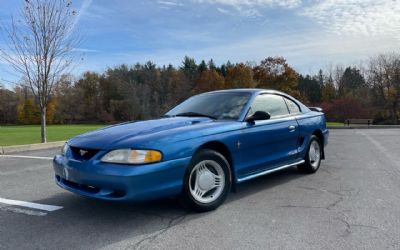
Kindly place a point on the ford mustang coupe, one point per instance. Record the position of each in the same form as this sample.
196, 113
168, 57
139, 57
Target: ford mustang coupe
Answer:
198, 151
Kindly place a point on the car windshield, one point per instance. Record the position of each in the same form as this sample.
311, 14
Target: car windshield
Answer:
217, 105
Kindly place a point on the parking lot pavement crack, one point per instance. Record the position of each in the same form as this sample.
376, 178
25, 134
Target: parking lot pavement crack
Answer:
335, 203
364, 226
339, 194
326, 170
322, 190
300, 206
347, 230
148, 240
154, 214
349, 226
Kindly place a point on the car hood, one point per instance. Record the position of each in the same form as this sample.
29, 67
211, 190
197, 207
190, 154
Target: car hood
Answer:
144, 134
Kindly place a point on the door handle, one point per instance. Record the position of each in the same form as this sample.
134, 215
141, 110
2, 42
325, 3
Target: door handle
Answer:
292, 128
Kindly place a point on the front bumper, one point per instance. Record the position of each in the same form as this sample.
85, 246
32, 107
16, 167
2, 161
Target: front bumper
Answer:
120, 182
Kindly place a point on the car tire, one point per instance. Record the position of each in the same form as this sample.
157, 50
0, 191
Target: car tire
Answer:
313, 156
207, 181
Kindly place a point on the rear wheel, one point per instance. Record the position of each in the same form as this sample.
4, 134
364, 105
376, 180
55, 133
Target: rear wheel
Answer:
207, 181
313, 156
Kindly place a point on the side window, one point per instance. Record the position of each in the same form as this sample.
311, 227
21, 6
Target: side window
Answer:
273, 104
293, 107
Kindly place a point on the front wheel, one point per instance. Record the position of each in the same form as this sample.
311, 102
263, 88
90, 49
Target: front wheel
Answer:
207, 181
313, 156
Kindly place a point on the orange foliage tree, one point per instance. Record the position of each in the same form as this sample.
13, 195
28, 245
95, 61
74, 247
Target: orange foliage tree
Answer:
240, 76
209, 80
275, 73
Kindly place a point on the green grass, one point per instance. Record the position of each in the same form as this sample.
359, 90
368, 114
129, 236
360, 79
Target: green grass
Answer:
334, 124
19, 135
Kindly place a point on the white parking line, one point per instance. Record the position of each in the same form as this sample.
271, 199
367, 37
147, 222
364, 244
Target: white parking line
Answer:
23, 211
48, 208
26, 157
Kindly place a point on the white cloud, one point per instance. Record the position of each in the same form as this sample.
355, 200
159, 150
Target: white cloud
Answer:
84, 7
356, 17
169, 3
84, 50
344, 17
82, 11
250, 8
224, 11
254, 3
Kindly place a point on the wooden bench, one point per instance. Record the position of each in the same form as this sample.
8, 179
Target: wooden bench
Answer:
358, 121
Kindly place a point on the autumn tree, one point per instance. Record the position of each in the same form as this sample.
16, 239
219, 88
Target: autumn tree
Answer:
208, 81
39, 49
174, 91
275, 73
88, 89
29, 113
239, 76
8, 106
223, 69
384, 80
68, 100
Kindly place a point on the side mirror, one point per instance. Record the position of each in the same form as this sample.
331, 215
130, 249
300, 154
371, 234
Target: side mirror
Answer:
258, 116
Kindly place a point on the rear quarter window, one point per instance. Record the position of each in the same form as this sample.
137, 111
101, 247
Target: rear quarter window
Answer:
292, 106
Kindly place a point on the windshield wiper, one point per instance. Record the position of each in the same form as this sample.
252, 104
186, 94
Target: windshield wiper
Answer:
194, 114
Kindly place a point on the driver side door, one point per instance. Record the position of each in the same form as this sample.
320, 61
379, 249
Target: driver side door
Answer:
268, 143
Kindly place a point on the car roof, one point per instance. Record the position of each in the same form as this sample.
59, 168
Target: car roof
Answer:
249, 90
255, 91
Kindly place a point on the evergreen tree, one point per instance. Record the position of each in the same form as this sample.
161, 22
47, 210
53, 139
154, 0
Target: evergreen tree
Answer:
202, 66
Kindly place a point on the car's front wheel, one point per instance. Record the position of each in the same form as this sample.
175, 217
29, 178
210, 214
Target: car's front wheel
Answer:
207, 181
313, 156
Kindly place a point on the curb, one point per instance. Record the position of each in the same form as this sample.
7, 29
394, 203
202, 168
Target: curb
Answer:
365, 127
30, 147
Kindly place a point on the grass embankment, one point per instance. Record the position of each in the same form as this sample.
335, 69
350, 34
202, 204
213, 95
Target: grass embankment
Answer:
19, 135
334, 124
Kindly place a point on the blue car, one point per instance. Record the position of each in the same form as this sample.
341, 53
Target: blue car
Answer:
198, 151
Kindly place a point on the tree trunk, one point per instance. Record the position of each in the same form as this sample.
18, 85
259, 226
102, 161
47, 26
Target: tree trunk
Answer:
43, 125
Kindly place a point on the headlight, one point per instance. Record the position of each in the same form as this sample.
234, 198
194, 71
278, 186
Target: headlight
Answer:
64, 149
132, 156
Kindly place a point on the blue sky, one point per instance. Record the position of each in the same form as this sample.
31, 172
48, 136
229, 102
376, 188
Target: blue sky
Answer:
310, 34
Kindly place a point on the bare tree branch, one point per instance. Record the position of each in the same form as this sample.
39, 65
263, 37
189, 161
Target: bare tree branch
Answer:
40, 45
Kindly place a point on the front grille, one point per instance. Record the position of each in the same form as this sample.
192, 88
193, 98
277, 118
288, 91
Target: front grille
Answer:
85, 188
83, 154
90, 189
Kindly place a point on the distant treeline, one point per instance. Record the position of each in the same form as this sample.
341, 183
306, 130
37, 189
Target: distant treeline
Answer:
144, 91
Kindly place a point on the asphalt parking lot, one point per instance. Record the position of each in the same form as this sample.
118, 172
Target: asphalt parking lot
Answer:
352, 202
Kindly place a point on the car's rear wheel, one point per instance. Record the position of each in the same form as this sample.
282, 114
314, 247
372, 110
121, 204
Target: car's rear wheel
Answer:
207, 181
313, 156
